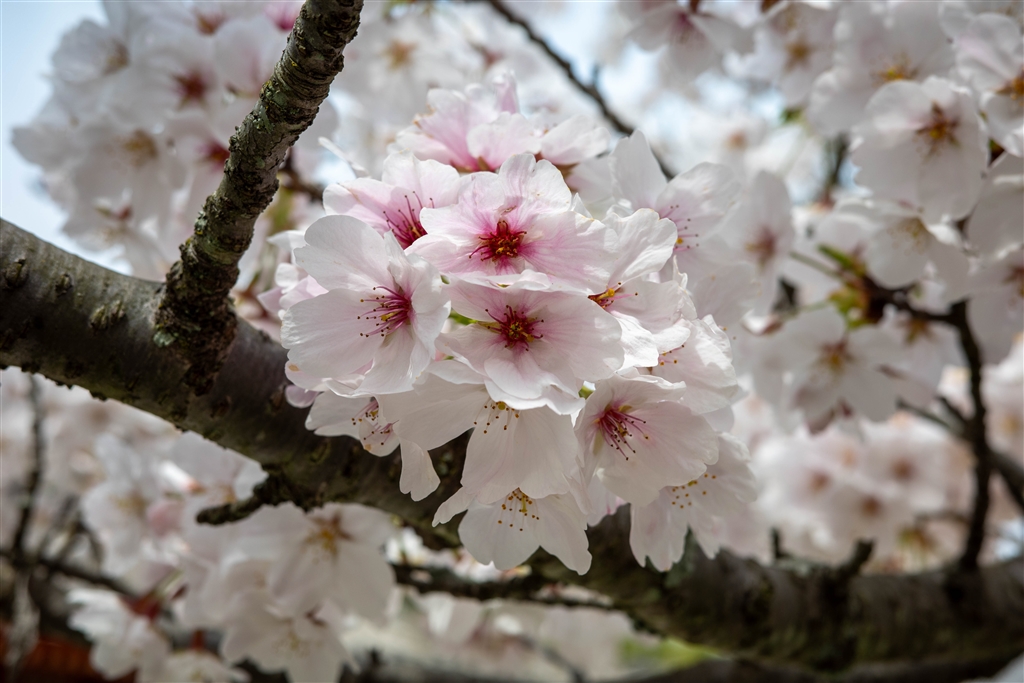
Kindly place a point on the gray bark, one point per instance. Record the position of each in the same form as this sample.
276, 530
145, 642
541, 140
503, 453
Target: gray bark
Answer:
195, 314
78, 323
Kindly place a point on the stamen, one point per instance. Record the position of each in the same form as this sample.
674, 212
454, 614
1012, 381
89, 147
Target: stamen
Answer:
392, 311
501, 244
605, 298
406, 226
618, 426
940, 130
517, 330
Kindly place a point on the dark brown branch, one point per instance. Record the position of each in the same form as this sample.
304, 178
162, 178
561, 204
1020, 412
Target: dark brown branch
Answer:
19, 553
975, 433
76, 322
526, 588
590, 89
55, 566
195, 315
1012, 474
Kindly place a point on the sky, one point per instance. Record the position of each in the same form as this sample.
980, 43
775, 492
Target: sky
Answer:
30, 31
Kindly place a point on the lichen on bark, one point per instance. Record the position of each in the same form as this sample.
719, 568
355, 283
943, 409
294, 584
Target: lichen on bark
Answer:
195, 317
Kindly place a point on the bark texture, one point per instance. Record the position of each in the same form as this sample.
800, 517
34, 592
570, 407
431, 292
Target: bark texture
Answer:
195, 315
78, 323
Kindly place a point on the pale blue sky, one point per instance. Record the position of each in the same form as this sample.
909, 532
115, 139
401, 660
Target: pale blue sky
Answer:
29, 33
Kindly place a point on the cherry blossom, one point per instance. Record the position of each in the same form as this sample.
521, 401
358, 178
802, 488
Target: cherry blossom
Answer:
995, 222
922, 144
637, 437
123, 640
393, 204
517, 220
527, 343
507, 531
991, 57
382, 311
533, 450
877, 43
658, 529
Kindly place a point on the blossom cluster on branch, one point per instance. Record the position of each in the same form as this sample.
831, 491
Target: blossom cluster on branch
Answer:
760, 347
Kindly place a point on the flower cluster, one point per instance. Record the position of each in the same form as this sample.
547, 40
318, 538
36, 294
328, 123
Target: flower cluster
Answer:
135, 135
742, 348
469, 289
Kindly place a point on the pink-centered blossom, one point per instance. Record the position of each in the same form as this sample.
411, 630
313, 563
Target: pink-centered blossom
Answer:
393, 203
383, 308
517, 220
637, 437
529, 343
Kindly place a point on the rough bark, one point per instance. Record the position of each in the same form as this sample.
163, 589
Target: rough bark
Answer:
195, 314
77, 323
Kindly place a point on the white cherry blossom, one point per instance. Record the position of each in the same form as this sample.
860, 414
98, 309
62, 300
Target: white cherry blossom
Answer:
380, 316
533, 450
658, 530
990, 55
517, 220
922, 144
507, 531
528, 343
877, 43
637, 437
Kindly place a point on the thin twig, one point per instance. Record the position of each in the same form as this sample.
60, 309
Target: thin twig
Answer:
525, 588
72, 572
926, 415
836, 150
35, 476
975, 433
1013, 475
590, 89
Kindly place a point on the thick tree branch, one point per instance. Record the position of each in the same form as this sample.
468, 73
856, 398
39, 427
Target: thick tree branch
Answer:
76, 322
195, 315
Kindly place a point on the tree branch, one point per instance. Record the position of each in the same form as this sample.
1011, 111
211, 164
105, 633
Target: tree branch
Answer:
975, 433
590, 90
19, 553
76, 322
195, 315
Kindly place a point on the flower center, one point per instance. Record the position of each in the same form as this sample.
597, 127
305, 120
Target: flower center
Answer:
835, 357
518, 504
516, 329
327, 535
371, 432
493, 413
191, 87
618, 426
139, 148
405, 224
501, 244
393, 309
764, 247
399, 54
797, 54
898, 70
940, 130
1014, 89
605, 298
